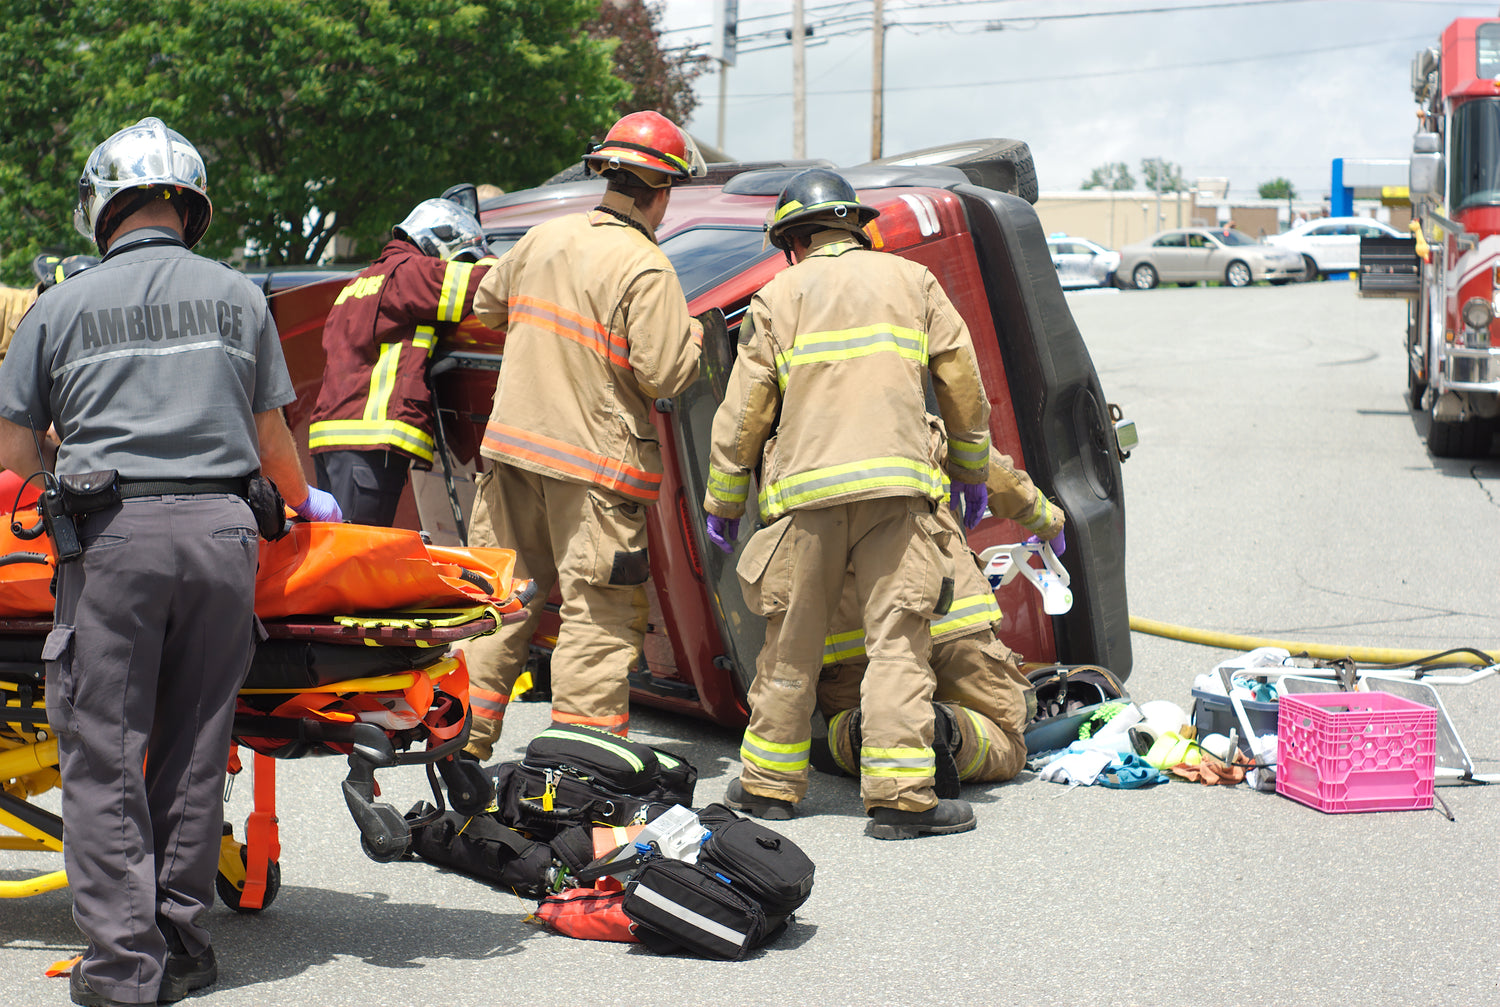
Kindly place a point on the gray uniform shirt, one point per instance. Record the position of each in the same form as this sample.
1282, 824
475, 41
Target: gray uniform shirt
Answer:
153, 363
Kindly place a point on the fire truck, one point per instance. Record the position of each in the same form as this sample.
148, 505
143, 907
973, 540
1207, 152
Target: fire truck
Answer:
1451, 267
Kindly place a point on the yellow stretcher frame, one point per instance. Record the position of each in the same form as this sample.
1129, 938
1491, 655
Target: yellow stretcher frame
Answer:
249, 872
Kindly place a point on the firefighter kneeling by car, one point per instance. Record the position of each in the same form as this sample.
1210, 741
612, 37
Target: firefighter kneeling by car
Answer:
983, 702
827, 398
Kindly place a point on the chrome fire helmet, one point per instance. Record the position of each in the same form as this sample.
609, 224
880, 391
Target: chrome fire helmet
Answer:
444, 230
140, 160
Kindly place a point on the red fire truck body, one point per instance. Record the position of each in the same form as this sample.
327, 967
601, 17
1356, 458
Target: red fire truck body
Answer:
1453, 338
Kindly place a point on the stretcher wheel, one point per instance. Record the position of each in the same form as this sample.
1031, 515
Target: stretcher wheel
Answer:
230, 892
383, 834
386, 856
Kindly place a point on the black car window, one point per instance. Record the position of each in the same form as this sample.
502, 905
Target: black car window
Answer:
704, 256
1170, 241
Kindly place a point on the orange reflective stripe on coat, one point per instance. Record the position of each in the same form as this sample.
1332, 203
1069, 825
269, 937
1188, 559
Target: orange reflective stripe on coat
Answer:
618, 724
569, 460
570, 325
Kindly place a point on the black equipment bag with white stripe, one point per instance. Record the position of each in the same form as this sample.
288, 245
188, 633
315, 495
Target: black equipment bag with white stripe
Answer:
682, 906
739, 895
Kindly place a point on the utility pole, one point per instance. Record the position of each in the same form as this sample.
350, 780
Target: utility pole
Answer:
723, 90
1156, 185
877, 84
799, 84
724, 47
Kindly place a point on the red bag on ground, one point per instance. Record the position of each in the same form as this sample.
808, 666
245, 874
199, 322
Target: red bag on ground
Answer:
589, 914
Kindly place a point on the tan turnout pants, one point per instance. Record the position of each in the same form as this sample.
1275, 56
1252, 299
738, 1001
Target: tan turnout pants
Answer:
591, 544
793, 573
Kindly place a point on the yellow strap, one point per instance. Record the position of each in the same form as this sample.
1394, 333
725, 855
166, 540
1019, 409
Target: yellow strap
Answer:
420, 619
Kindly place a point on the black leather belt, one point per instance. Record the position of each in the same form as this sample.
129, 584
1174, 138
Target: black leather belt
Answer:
182, 487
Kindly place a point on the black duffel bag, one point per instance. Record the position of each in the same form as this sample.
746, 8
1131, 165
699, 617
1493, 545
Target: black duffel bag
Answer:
482, 847
613, 764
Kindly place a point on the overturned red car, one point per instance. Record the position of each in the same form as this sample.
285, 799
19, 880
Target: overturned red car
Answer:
960, 212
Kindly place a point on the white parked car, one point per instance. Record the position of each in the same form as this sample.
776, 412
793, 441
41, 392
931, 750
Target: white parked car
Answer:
1081, 262
1331, 244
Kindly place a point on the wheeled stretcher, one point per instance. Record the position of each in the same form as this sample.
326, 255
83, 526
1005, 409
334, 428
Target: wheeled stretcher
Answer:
377, 686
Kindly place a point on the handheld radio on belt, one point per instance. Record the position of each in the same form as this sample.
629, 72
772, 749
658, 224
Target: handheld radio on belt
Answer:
56, 521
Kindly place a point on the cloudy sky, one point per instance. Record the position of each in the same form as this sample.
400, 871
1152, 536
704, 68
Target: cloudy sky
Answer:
1250, 90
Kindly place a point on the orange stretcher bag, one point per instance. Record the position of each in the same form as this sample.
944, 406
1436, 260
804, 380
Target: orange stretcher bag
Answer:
25, 581
335, 569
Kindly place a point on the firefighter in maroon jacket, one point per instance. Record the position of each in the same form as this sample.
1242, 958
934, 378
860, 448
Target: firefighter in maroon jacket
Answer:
374, 415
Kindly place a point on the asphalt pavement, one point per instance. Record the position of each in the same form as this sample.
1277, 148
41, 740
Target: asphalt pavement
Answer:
1281, 489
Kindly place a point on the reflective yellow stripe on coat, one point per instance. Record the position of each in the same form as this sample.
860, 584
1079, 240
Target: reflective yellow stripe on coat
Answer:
806, 488
969, 612
374, 428
848, 344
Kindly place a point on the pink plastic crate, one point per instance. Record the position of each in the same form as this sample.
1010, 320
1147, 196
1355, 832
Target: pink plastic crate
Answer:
1356, 751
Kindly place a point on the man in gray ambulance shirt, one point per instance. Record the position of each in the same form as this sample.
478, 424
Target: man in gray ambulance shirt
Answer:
165, 367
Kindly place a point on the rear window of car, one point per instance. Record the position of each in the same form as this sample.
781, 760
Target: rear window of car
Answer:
705, 256
1170, 241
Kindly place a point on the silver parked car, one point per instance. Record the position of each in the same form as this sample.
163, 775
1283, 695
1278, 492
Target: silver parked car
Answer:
1197, 254
1330, 244
1081, 262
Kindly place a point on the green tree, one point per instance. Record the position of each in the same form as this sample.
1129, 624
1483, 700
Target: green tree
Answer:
1277, 188
1114, 176
1162, 176
314, 119
659, 80
41, 90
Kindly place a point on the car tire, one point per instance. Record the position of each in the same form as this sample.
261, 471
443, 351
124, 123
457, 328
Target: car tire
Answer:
1144, 276
1237, 274
1309, 270
576, 172
995, 163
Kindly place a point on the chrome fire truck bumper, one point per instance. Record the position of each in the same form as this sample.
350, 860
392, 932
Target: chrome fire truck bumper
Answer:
1471, 369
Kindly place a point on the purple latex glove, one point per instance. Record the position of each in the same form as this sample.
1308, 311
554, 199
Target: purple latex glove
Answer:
1058, 542
975, 497
319, 506
722, 531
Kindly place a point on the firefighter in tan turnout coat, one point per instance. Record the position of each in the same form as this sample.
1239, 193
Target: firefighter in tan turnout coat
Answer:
827, 400
597, 328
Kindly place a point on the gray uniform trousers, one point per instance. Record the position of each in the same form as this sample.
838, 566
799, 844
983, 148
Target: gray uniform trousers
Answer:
152, 638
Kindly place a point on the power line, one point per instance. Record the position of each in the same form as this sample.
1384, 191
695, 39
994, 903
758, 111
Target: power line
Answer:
1157, 68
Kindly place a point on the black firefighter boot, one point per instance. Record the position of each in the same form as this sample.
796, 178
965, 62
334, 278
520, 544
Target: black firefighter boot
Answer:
945, 818
945, 743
